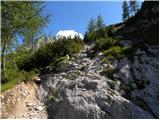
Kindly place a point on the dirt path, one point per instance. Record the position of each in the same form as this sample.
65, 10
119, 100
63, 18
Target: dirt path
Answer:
21, 102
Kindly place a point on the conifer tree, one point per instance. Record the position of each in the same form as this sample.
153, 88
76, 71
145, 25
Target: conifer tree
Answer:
100, 23
125, 9
92, 25
134, 6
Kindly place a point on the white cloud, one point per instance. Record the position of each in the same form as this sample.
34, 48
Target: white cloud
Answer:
68, 33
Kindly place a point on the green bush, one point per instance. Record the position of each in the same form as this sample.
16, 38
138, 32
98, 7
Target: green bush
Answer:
104, 43
14, 76
116, 52
109, 72
49, 53
94, 35
111, 29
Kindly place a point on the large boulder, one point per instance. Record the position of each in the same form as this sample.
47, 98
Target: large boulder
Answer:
124, 70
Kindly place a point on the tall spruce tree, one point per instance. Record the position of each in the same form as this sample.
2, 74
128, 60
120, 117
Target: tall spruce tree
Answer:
134, 6
125, 8
100, 23
92, 25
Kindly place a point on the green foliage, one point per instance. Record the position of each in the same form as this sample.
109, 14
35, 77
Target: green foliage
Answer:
111, 29
108, 59
116, 52
22, 19
96, 29
134, 6
8, 85
51, 53
100, 23
109, 71
104, 43
14, 76
91, 25
58, 60
22, 57
94, 35
54, 95
125, 8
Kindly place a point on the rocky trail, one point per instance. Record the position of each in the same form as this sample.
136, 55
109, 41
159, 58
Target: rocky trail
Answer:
77, 89
21, 102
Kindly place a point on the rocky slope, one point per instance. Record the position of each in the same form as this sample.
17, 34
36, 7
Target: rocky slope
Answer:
78, 90
79, 87
144, 26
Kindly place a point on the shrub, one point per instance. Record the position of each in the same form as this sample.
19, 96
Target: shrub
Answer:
104, 43
53, 95
109, 71
94, 35
50, 53
111, 29
116, 52
22, 57
14, 76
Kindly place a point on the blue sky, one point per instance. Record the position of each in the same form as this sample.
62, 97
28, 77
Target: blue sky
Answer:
75, 15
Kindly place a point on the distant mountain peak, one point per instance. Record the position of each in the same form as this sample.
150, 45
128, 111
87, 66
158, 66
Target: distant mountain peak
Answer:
68, 33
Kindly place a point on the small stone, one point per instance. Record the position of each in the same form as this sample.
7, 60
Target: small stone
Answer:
37, 79
2, 96
29, 104
18, 99
25, 91
105, 65
99, 54
23, 94
39, 108
24, 115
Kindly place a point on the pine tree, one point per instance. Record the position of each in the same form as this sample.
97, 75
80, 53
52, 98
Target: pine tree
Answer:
92, 25
125, 8
100, 23
134, 6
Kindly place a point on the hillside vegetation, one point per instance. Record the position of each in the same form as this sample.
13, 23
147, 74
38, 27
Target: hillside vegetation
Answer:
24, 64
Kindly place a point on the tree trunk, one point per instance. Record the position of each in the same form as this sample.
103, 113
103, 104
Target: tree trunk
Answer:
3, 59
